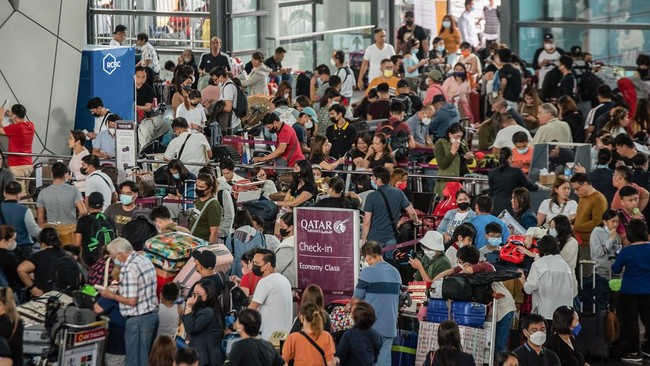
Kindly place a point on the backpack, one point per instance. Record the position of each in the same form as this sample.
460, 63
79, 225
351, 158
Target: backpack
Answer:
551, 81
66, 275
233, 298
398, 142
588, 85
240, 109
102, 232
408, 104
286, 116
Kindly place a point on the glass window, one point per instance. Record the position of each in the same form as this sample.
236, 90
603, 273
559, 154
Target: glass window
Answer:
245, 31
360, 13
242, 6
594, 11
296, 20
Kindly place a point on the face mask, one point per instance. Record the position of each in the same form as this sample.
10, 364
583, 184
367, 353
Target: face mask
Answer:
187, 59
111, 131
118, 262
334, 102
409, 22
426, 121
319, 82
495, 242
286, 96
401, 186
284, 233
576, 330
388, 73
126, 199
187, 87
333, 62
83, 171
522, 151
446, 24
373, 184
12, 245
333, 120
296, 175
194, 104
176, 175
552, 232
415, 51
273, 130
606, 229
95, 114
549, 46
317, 177
257, 270
538, 338
200, 192
459, 74
463, 206
440, 48
429, 253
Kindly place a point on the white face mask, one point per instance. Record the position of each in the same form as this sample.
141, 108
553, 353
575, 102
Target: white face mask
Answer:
426, 121
429, 252
187, 59
549, 46
111, 131
332, 62
538, 338
12, 245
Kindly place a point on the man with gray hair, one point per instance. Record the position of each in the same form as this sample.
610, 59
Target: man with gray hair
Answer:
551, 128
137, 298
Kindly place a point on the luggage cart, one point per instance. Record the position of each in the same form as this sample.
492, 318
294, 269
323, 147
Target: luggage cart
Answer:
82, 344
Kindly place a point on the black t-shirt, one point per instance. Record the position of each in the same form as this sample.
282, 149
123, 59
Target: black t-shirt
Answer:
275, 66
386, 158
254, 352
311, 188
144, 95
513, 76
85, 227
417, 32
209, 62
9, 265
379, 109
43, 261
462, 359
568, 86
336, 202
341, 139
14, 342
527, 356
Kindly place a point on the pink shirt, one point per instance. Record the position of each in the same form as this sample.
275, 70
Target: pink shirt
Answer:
453, 89
432, 91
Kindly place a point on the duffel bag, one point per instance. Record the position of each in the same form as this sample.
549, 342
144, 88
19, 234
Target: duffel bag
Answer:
265, 209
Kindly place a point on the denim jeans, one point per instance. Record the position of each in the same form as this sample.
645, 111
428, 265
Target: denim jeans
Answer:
385, 353
139, 334
388, 254
280, 78
502, 332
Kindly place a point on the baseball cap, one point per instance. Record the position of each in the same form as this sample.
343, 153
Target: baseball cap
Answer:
119, 28
96, 200
402, 83
576, 51
311, 113
438, 98
409, 14
433, 240
205, 258
435, 75
549, 37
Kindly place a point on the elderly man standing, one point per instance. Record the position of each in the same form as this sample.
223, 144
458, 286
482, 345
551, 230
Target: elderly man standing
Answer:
137, 298
552, 129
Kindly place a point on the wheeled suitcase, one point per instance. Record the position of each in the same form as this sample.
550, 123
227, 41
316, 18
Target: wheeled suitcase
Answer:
404, 348
170, 251
591, 340
471, 314
437, 310
35, 339
188, 275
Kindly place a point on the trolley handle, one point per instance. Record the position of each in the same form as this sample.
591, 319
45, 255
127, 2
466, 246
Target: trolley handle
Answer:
99, 323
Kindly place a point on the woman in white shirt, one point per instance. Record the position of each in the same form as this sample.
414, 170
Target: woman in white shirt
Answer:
76, 141
550, 281
256, 80
259, 175
560, 229
192, 110
284, 254
558, 204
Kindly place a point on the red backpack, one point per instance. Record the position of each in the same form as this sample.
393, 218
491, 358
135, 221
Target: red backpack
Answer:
509, 252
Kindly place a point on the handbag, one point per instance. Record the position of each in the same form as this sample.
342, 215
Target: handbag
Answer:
612, 326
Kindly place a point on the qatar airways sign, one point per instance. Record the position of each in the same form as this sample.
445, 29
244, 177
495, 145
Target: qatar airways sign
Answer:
327, 250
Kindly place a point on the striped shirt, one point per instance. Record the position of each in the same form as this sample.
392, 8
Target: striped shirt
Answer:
379, 285
138, 279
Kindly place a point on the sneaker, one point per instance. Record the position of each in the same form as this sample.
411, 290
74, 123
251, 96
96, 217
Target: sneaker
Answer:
632, 357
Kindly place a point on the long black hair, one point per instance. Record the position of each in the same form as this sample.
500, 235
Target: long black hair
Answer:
563, 228
504, 155
448, 343
212, 298
306, 175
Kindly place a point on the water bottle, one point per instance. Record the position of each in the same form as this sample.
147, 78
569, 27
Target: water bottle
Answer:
567, 172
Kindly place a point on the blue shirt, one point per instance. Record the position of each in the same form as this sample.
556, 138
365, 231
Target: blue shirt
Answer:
444, 117
480, 222
381, 224
379, 285
636, 261
410, 62
418, 129
105, 143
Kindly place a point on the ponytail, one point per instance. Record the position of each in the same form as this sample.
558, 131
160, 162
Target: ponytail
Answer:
313, 315
504, 155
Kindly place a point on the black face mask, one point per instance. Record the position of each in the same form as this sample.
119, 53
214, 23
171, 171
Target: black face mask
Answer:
96, 114
257, 270
273, 130
334, 120
296, 175
409, 22
83, 171
463, 206
284, 233
200, 192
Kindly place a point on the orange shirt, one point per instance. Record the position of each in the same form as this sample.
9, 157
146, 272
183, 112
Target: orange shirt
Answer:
392, 83
522, 161
299, 349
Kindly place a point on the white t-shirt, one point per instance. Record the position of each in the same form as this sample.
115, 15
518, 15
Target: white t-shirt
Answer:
114, 43
196, 115
101, 123
273, 293
347, 81
374, 56
229, 92
100, 182
504, 136
567, 209
456, 221
194, 150
553, 58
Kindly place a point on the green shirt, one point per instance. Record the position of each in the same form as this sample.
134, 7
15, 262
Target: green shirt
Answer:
433, 266
210, 218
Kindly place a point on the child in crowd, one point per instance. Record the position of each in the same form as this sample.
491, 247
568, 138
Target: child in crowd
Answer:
169, 312
463, 235
249, 280
490, 252
630, 203
522, 154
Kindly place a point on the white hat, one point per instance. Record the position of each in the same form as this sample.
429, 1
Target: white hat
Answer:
433, 240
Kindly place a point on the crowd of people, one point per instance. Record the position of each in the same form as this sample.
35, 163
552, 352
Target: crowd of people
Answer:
427, 97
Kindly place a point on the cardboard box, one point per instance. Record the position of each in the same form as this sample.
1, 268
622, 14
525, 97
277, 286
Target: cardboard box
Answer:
547, 180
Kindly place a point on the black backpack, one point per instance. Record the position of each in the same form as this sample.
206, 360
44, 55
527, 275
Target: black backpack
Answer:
408, 104
398, 141
233, 298
551, 81
587, 87
240, 109
66, 275
102, 232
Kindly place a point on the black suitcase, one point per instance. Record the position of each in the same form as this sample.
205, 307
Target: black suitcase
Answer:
591, 340
224, 152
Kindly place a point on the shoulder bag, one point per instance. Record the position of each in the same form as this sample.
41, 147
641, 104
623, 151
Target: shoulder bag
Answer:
313, 343
390, 215
201, 213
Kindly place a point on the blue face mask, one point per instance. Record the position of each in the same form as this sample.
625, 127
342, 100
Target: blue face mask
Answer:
373, 184
495, 242
440, 48
576, 330
176, 175
552, 232
118, 262
459, 74
126, 199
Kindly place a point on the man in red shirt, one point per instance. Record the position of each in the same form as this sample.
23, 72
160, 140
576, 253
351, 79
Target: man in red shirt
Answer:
21, 136
623, 177
288, 151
